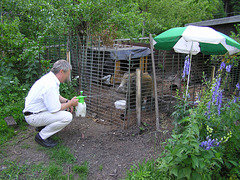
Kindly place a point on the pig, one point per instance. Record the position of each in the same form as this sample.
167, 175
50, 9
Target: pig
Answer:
146, 88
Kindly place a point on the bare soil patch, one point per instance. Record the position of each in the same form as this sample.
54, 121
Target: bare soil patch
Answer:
110, 150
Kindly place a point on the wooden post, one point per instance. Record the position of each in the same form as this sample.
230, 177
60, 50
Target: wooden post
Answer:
116, 78
213, 72
138, 96
155, 84
146, 59
69, 61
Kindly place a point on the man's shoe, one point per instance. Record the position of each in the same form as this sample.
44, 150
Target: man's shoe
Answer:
45, 142
38, 129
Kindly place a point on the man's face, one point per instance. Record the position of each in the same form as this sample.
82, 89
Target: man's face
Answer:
65, 76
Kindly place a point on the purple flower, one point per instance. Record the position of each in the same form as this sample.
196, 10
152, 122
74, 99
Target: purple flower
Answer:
228, 68
219, 110
209, 143
186, 66
238, 86
209, 105
215, 89
235, 100
219, 100
222, 65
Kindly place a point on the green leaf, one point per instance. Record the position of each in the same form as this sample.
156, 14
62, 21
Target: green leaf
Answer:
194, 161
234, 163
186, 119
201, 163
174, 171
187, 172
195, 176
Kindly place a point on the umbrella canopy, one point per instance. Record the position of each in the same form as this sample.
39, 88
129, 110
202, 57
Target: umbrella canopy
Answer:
195, 39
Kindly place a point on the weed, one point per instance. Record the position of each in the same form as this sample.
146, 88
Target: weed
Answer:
25, 146
13, 171
100, 167
145, 170
82, 170
54, 170
60, 153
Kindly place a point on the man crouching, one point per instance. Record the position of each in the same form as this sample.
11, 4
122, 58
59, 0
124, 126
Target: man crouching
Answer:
45, 107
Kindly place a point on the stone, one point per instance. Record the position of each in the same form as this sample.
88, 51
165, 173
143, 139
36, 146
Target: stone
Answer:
10, 121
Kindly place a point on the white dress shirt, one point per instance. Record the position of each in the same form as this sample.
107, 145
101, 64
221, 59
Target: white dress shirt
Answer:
44, 95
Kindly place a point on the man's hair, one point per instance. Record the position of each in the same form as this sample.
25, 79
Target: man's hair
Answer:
61, 64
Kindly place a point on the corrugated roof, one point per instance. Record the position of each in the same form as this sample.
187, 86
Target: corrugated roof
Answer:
212, 22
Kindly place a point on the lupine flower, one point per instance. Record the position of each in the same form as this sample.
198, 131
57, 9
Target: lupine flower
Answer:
209, 143
209, 106
215, 89
219, 102
186, 67
235, 100
238, 86
222, 65
228, 68
188, 96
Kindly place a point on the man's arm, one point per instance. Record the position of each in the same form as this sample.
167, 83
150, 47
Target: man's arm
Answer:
65, 103
62, 99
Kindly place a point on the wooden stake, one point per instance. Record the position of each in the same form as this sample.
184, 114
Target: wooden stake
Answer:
155, 84
138, 96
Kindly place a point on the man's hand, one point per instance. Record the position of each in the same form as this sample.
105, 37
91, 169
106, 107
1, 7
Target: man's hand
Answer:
74, 101
69, 105
70, 109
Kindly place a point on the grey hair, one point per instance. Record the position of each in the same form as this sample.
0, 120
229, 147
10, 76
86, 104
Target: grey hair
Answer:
61, 64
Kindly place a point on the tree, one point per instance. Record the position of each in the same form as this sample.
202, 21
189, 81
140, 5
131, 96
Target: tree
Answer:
231, 7
165, 14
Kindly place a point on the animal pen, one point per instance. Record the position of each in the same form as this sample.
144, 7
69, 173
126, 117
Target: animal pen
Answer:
107, 75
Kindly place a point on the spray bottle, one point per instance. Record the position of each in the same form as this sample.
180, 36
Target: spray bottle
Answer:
81, 108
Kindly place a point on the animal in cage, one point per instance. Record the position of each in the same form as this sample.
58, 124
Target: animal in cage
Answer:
175, 81
128, 86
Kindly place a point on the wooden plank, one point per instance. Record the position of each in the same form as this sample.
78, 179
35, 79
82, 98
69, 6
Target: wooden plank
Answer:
116, 78
146, 60
138, 96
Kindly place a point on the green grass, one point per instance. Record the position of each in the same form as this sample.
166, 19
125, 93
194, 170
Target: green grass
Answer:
60, 153
61, 164
142, 171
81, 170
100, 167
12, 170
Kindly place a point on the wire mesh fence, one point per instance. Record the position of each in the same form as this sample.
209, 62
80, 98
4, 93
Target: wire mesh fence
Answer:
108, 76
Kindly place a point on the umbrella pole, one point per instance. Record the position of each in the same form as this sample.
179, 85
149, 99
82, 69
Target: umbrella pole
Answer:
189, 74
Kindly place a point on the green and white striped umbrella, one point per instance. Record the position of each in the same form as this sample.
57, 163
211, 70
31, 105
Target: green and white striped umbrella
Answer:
195, 39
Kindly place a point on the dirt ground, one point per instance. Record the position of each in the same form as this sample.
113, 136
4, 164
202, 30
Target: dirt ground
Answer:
107, 146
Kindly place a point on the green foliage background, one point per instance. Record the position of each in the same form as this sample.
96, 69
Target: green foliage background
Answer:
25, 25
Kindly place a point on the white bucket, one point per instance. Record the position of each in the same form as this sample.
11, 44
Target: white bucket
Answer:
120, 104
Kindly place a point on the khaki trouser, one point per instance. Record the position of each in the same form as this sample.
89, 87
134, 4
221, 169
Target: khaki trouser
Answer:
54, 122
